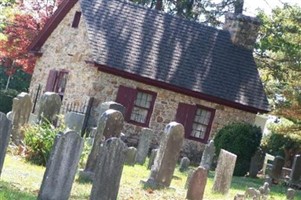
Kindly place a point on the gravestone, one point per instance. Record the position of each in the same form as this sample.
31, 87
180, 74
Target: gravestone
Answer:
256, 163
167, 156
49, 108
197, 184
295, 176
152, 158
130, 156
290, 194
109, 105
109, 170
61, 166
109, 125
145, 140
208, 155
189, 175
184, 164
5, 131
74, 121
276, 171
224, 172
21, 110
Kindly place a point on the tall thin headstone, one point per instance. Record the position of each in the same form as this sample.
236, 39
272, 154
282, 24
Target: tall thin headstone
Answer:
224, 172
208, 155
20, 114
109, 125
197, 184
167, 156
130, 156
109, 170
295, 176
276, 170
5, 131
256, 163
49, 108
61, 166
145, 140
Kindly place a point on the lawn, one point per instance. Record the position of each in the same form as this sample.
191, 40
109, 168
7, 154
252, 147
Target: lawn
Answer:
21, 180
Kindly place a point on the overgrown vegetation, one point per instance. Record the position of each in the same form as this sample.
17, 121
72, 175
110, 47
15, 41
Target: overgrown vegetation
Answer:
284, 140
39, 140
241, 139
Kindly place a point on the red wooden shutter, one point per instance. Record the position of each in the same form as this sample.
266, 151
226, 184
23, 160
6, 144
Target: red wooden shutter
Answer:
76, 19
51, 80
126, 96
185, 115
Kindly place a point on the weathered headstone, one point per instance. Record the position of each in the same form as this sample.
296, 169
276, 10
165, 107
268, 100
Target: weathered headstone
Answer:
152, 158
5, 131
256, 163
189, 175
61, 166
224, 172
130, 157
290, 194
109, 169
167, 156
145, 140
208, 155
74, 121
295, 176
265, 189
276, 171
184, 164
252, 193
197, 184
110, 105
109, 125
49, 108
21, 110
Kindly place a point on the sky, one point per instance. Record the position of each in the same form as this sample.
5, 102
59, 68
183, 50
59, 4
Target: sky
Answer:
250, 6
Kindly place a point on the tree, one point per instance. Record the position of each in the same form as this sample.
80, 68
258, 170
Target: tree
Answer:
278, 54
204, 11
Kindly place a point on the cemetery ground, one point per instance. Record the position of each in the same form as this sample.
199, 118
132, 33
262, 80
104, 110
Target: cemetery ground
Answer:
21, 180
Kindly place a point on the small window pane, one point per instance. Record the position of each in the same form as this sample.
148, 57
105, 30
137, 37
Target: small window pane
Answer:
139, 114
143, 100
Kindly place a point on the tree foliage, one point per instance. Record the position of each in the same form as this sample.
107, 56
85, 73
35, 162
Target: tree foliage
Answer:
278, 53
205, 11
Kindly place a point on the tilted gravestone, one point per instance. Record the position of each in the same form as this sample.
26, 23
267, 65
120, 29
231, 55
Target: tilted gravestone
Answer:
109, 170
5, 131
130, 156
109, 125
167, 156
49, 108
74, 121
61, 166
20, 114
295, 176
256, 163
208, 155
110, 105
152, 158
290, 194
197, 184
145, 140
276, 170
184, 164
224, 172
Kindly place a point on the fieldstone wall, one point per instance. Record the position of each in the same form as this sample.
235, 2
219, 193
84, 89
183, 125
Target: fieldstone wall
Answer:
67, 48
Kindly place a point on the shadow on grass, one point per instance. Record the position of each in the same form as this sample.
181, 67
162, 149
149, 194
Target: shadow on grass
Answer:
8, 191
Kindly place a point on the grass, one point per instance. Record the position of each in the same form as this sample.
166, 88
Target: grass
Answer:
21, 180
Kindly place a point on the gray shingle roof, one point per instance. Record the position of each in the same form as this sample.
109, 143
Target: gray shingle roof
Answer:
172, 50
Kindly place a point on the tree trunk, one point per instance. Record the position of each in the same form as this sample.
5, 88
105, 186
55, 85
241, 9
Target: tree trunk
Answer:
159, 4
7, 83
238, 6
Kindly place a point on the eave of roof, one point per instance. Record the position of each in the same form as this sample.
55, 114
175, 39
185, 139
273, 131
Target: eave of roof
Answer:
176, 89
50, 25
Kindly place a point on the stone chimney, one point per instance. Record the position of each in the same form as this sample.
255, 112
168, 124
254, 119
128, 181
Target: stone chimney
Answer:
243, 29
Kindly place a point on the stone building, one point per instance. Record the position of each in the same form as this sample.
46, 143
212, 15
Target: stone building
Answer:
160, 67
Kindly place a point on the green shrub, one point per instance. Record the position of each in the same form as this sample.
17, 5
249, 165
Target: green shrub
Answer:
284, 140
241, 139
39, 140
7, 97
